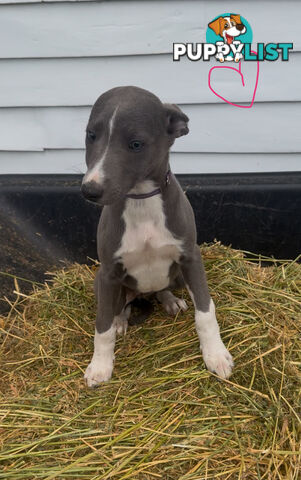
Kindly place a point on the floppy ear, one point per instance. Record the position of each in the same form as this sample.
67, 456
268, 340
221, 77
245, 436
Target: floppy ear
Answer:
217, 25
236, 18
176, 120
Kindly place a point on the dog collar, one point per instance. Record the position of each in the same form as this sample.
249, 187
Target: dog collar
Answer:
157, 191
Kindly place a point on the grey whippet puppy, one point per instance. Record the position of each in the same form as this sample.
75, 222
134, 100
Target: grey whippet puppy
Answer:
146, 235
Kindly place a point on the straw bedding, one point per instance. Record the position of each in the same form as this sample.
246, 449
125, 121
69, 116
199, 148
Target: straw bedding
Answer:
163, 415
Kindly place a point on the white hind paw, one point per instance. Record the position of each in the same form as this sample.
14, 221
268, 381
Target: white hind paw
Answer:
172, 307
170, 303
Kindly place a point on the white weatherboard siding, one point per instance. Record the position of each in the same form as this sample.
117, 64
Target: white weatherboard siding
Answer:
139, 27
52, 71
79, 81
64, 128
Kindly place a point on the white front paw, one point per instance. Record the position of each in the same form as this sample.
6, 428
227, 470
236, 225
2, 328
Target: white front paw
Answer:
98, 372
217, 359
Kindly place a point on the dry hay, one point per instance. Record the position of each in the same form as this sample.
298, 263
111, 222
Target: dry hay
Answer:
163, 415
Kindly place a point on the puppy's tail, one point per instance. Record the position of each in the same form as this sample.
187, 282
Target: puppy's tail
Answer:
142, 310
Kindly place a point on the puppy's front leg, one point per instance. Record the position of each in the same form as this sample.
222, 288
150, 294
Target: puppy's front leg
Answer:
216, 356
108, 297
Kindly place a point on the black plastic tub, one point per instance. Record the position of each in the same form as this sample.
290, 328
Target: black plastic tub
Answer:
45, 222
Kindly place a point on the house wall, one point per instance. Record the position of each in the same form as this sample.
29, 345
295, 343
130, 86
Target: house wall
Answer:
57, 57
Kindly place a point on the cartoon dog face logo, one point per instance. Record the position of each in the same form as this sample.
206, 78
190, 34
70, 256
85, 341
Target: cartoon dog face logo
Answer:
228, 27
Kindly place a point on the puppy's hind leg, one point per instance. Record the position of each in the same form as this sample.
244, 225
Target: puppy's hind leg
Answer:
121, 320
170, 302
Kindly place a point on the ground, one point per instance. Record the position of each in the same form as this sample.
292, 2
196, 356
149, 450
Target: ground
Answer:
163, 415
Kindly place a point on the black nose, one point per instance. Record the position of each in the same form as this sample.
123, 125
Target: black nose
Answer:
240, 26
91, 191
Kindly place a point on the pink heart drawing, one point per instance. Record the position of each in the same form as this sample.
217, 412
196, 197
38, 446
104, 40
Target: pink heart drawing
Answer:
238, 70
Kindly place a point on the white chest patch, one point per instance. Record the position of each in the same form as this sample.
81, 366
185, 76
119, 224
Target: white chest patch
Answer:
147, 247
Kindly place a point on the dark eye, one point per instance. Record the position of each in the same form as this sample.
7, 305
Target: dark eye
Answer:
226, 25
136, 145
91, 135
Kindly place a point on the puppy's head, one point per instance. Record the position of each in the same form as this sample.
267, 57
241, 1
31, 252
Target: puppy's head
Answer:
127, 138
228, 27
